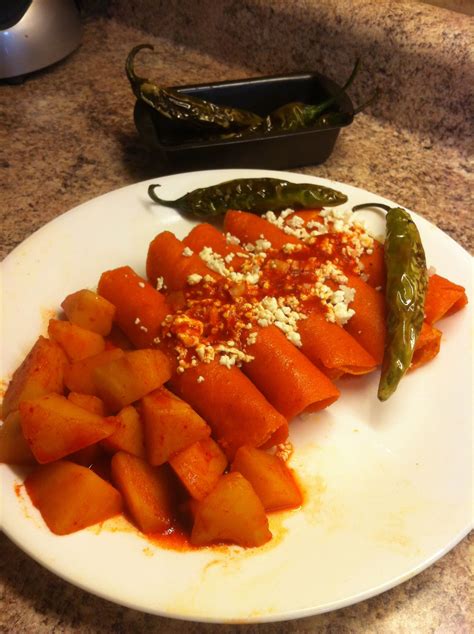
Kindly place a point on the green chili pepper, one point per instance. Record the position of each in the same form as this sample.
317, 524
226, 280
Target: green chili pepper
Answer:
174, 105
257, 195
296, 115
338, 119
407, 281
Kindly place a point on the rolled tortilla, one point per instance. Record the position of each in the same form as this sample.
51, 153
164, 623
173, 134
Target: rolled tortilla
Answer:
443, 298
236, 410
140, 308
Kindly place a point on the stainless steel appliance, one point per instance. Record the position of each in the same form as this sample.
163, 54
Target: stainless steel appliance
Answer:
36, 33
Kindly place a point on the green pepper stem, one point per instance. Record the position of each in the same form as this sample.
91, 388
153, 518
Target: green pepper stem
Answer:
156, 199
129, 64
325, 104
367, 205
367, 103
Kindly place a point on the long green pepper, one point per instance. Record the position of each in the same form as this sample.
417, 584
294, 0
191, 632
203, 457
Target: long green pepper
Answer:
257, 195
407, 281
179, 107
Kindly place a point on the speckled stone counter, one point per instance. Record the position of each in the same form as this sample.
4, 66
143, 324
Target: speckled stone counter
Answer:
66, 136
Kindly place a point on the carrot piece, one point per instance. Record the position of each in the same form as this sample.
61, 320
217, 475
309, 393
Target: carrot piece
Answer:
229, 402
147, 491
287, 379
427, 345
166, 259
443, 298
170, 425
71, 497
250, 228
332, 348
90, 311
41, 372
54, 427
140, 308
199, 467
78, 343
367, 326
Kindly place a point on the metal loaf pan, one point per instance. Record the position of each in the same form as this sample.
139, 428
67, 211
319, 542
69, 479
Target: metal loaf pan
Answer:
179, 148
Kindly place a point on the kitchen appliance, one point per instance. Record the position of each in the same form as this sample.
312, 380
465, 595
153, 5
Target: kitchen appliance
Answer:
36, 33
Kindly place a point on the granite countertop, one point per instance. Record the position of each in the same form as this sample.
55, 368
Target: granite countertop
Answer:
68, 136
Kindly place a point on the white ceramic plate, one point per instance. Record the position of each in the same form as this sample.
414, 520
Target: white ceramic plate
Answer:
388, 485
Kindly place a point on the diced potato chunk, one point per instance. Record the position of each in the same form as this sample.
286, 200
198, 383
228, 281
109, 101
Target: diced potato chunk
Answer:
199, 467
90, 311
41, 372
88, 456
129, 435
147, 491
54, 427
79, 376
232, 512
271, 479
132, 376
71, 497
78, 343
117, 339
13, 447
89, 402
170, 425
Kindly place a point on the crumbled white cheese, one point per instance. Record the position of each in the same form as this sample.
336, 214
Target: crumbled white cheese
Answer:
252, 338
230, 239
217, 263
227, 360
271, 311
200, 379
296, 222
194, 279
262, 245
205, 353
289, 247
187, 252
160, 282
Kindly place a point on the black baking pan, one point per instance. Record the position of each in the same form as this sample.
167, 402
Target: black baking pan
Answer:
180, 148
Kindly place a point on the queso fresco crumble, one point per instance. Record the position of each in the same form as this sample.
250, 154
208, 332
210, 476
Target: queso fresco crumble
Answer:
258, 285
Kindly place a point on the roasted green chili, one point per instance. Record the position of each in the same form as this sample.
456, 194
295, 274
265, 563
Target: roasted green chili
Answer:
174, 105
257, 195
407, 281
296, 115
